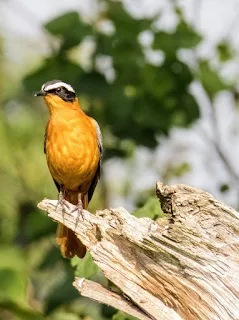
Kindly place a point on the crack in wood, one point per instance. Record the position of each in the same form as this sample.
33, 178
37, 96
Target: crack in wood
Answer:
188, 269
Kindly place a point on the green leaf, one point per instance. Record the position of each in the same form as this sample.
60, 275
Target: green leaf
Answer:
126, 26
13, 285
40, 224
183, 37
70, 27
21, 312
51, 259
85, 268
61, 293
177, 170
224, 187
120, 315
11, 253
224, 51
53, 68
184, 116
67, 315
112, 152
123, 45
93, 84
151, 209
210, 79
187, 37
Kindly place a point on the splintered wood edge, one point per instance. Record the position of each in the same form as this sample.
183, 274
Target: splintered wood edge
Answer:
100, 294
178, 199
148, 306
165, 193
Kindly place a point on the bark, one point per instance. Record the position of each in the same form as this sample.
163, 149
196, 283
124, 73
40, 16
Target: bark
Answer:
183, 266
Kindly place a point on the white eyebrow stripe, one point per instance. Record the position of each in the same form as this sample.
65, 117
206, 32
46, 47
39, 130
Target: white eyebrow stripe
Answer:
57, 85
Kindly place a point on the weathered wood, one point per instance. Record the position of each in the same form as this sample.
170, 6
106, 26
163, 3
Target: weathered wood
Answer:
98, 293
185, 266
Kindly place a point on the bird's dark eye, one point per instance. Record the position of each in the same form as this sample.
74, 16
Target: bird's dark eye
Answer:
58, 89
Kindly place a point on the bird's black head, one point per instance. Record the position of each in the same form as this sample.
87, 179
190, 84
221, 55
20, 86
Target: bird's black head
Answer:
58, 88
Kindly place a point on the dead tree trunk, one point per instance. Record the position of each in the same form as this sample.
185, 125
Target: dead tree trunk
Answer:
185, 266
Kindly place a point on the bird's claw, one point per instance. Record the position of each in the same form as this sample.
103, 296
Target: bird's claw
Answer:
62, 202
79, 209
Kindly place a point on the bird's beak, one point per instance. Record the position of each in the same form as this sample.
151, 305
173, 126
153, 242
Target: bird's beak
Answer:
40, 93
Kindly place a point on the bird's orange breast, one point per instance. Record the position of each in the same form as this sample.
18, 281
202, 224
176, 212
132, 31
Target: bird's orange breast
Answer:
72, 149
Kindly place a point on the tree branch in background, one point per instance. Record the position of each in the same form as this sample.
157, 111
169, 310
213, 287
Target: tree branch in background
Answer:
184, 266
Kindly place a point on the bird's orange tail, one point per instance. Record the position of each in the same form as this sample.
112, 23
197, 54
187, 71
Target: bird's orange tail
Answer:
69, 244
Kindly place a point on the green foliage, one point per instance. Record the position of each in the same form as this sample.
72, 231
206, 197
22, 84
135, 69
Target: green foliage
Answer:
14, 281
61, 293
13, 285
122, 316
224, 51
85, 268
19, 311
43, 226
184, 37
176, 170
159, 96
70, 28
125, 24
141, 101
224, 187
13, 276
150, 209
210, 79
59, 66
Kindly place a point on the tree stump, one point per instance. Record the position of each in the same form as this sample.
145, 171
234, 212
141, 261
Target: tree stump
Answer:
182, 266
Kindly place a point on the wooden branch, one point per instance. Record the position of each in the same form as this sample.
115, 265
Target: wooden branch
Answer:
185, 266
98, 293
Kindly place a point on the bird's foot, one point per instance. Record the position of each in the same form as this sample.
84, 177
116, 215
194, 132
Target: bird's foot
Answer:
60, 201
79, 207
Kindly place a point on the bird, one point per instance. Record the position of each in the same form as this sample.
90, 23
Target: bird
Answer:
73, 147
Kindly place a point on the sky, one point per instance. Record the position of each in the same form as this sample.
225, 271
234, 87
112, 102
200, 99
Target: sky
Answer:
21, 25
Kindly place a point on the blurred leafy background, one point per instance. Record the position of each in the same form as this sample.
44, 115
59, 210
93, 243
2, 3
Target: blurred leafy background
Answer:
160, 77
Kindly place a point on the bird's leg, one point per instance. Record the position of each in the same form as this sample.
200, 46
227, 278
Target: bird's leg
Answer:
79, 204
79, 209
60, 198
61, 201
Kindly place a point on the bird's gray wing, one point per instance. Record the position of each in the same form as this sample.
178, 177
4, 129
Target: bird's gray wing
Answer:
97, 174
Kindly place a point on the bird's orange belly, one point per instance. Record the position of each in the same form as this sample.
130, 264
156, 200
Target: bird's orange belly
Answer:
73, 161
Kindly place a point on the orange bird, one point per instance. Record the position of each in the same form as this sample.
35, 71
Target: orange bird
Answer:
73, 148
